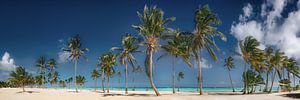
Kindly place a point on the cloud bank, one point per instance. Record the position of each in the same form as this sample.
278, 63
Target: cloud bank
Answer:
269, 26
7, 63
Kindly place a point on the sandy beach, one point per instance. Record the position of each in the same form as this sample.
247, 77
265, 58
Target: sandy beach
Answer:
63, 94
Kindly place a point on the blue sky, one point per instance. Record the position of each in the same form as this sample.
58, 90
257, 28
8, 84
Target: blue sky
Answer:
29, 29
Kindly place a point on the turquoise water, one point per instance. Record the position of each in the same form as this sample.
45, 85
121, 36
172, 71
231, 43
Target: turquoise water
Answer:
185, 89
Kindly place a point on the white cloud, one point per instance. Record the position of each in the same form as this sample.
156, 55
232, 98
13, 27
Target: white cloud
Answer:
7, 63
270, 28
63, 56
204, 64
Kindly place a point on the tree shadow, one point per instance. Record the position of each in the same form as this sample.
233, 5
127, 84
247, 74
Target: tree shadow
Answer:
27, 92
131, 94
292, 95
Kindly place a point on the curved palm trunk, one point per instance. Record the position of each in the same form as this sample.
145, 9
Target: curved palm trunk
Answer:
199, 72
102, 76
274, 75
75, 75
150, 76
126, 78
267, 82
231, 81
173, 64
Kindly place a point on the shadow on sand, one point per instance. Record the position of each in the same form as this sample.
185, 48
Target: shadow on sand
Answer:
292, 95
131, 94
28, 92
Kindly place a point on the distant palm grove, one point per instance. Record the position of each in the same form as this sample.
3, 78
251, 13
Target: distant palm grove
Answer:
260, 66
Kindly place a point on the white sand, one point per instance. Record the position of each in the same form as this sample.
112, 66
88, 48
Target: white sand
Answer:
63, 94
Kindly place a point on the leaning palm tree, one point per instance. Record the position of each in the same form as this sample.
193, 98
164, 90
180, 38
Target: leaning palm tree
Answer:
41, 64
205, 31
152, 26
20, 77
107, 62
125, 54
229, 64
293, 69
76, 51
269, 68
247, 47
178, 46
276, 62
95, 75
180, 76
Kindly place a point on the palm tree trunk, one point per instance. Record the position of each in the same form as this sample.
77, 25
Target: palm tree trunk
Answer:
126, 78
75, 75
103, 86
150, 72
23, 87
231, 81
133, 82
274, 75
294, 81
199, 72
107, 86
96, 84
267, 82
173, 69
245, 80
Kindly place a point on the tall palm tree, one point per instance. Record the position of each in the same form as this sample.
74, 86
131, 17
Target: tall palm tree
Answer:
178, 46
76, 51
107, 62
180, 76
41, 64
20, 77
125, 53
151, 28
229, 64
269, 68
95, 75
276, 62
205, 31
248, 47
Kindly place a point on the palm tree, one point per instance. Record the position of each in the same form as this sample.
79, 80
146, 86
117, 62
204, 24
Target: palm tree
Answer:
80, 80
292, 68
52, 65
205, 20
76, 51
55, 78
41, 64
177, 47
62, 83
276, 62
248, 47
125, 54
95, 76
180, 76
135, 71
39, 80
69, 80
20, 77
151, 28
229, 64
269, 68
107, 62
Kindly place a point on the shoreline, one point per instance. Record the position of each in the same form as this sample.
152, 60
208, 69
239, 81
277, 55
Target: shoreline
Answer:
69, 94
